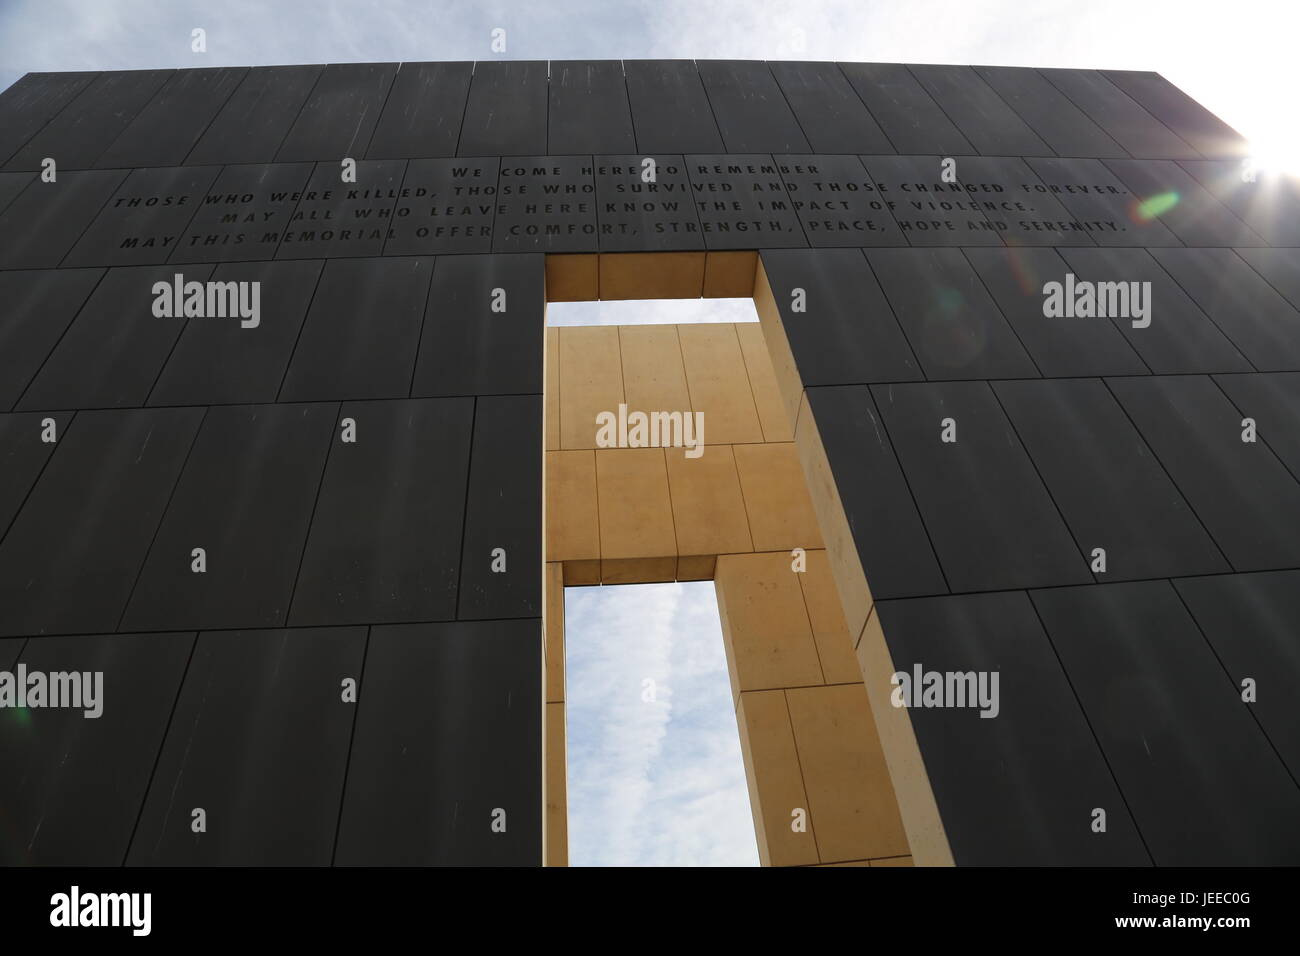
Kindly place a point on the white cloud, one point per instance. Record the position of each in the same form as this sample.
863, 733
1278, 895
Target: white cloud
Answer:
652, 783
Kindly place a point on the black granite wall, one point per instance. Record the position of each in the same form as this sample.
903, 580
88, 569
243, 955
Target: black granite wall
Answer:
372, 560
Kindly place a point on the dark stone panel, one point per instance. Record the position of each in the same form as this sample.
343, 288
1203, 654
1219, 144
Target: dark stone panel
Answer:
1242, 493
87, 126
1144, 136
1018, 788
362, 331
847, 333
165, 131
546, 204
220, 361
1060, 347
385, 541
243, 214
992, 522
23, 455
837, 203
1193, 123
930, 212
445, 205
670, 110
1098, 200
891, 541
1260, 323
260, 741
245, 497
71, 557
449, 732
638, 216
1164, 189
467, 348
1196, 772
256, 118
1057, 121
991, 126
112, 353
588, 110
1179, 338
73, 785
32, 102
11, 184
1281, 267
1274, 402
334, 218
1269, 204
742, 203
35, 309
1015, 201
423, 113
913, 121
752, 113
145, 219
1110, 488
503, 510
9, 649
39, 227
1249, 620
830, 114
948, 317
340, 114
506, 111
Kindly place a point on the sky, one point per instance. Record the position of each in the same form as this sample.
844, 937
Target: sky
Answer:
655, 772
661, 783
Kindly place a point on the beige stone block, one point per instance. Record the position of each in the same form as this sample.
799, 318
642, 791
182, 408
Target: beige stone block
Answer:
696, 567
651, 275
775, 784
638, 570
927, 841
834, 640
636, 515
708, 509
850, 581
572, 521
654, 378
591, 381
778, 424
765, 627
557, 809
849, 792
789, 383
552, 398
719, 383
894, 861
780, 511
578, 574
553, 584
572, 278
729, 275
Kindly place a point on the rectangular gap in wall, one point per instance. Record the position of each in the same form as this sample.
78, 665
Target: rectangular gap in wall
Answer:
655, 773
650, 312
